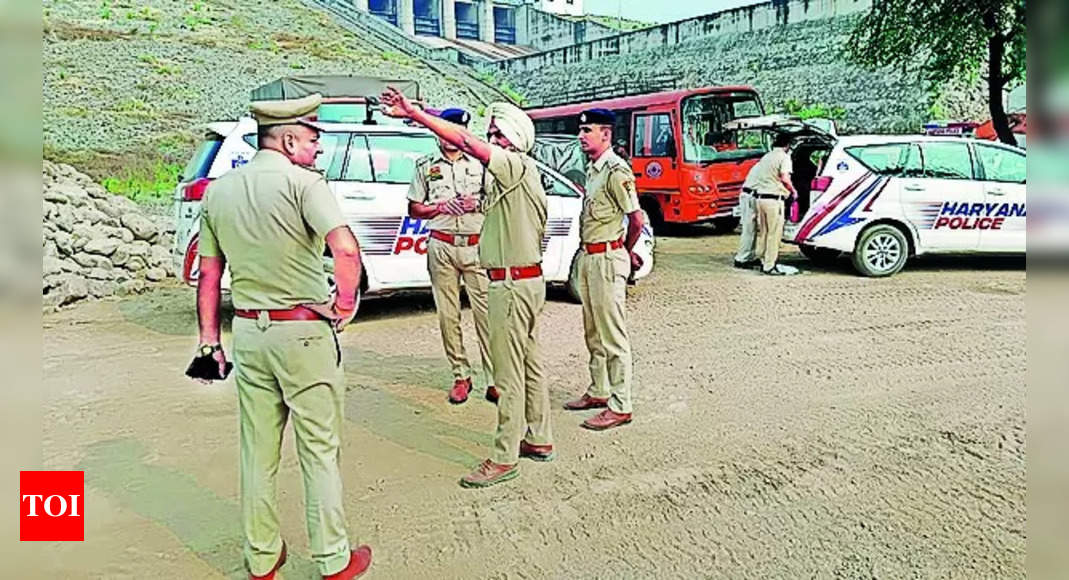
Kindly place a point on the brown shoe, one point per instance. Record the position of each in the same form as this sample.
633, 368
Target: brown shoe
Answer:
586, 402
488, 474
536, 452
271, 574
607, 419
459, 393
359, 562
492, 394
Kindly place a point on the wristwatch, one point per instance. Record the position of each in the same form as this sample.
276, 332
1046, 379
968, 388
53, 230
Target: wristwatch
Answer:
208, 349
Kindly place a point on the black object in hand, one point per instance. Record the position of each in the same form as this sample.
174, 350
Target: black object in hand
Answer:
207, 368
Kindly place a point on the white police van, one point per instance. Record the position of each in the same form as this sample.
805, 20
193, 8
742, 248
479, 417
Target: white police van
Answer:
369, 167
885, 198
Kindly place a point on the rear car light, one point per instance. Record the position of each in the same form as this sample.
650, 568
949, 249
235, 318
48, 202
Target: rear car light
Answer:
821, 184
191, 257
194, 190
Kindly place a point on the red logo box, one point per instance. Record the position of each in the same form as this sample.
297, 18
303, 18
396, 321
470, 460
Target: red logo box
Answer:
51, 506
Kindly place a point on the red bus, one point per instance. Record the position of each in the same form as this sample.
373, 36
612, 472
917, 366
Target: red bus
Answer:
687, 167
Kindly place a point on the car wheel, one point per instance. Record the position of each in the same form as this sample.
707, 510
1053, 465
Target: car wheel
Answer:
823, 256
573, 280
881, 251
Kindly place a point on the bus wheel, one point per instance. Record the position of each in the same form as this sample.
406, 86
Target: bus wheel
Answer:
726, 225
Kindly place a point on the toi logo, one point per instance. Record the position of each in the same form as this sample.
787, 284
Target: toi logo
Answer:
51, 506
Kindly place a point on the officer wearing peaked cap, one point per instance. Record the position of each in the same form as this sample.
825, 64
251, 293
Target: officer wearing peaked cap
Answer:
269, 220
604, 267
447, 189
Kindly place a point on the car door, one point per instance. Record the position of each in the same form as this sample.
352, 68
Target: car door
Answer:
561, 240
944, 197
1003, 171
372, 191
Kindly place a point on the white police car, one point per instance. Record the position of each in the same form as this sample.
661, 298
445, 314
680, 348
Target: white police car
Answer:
369, 167
885, 198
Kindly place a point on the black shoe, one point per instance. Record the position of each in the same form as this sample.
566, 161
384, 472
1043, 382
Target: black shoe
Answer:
774, 271
751, 265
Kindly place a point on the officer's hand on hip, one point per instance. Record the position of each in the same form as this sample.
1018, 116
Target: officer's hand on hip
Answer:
344, 318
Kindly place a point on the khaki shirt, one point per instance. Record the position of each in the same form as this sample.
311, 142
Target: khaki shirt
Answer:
764, 177
268, 219
438, 179
610, 195
515, 209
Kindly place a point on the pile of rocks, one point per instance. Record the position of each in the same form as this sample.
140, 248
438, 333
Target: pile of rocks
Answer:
97, 244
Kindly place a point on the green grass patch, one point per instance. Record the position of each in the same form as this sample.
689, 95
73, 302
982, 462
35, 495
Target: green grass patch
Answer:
501, 85
811, 111
150, 184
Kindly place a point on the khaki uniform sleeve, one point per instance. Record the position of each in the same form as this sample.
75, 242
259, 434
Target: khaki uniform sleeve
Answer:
319, 207
505, 166
207, 242
417, 189
621, 188
786, 166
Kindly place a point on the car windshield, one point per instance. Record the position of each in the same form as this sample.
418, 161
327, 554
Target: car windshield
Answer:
704, 138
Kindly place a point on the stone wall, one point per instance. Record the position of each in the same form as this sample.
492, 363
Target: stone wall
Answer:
96, 244
786, 50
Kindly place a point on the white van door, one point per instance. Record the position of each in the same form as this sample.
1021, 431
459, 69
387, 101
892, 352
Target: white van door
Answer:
1004, 174
372, 190
561, 240
949, 193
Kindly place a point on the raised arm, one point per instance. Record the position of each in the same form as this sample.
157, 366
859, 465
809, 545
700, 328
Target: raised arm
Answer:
398, 106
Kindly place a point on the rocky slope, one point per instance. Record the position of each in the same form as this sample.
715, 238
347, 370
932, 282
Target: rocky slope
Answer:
95, 244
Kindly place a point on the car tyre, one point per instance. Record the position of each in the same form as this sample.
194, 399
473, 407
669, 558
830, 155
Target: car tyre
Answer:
881, 250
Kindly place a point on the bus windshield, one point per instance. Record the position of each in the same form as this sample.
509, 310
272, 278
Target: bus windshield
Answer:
704, 138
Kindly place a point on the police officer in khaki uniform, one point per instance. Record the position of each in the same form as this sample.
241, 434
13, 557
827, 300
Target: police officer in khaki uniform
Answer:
771, 183
604, 267
511, 250
447, 189
269, 220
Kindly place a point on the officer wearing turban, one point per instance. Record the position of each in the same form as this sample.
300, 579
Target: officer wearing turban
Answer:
510, 248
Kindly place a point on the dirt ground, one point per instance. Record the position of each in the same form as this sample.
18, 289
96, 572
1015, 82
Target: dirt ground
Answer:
818, 426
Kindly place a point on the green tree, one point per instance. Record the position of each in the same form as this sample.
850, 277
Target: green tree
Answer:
949, 38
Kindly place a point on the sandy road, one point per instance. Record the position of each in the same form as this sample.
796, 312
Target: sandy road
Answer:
819, 426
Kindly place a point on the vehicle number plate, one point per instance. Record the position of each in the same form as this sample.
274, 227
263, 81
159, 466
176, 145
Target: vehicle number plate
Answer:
736, 211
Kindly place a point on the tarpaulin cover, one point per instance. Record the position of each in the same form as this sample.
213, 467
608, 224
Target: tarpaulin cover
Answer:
331, 86
562, 152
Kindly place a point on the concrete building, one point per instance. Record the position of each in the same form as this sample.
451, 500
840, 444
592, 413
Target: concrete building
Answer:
490, 21
569, 7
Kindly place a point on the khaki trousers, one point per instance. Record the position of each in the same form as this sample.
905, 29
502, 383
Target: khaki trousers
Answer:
290, 369
770, 230
748, 220
523, 409
603, 290
447, 264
